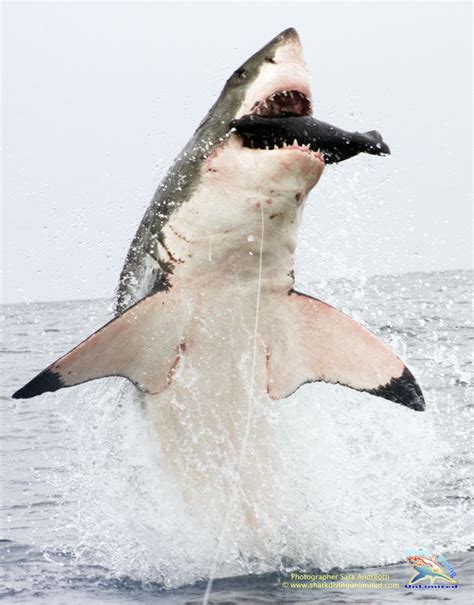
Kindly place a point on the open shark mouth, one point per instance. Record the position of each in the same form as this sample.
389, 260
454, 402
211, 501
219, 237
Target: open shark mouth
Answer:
283, 104
283, 120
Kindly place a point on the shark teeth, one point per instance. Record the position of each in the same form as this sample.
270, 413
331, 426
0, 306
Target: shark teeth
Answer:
269, 145
284, 102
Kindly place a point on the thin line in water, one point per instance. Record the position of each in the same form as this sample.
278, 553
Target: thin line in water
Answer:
243, 448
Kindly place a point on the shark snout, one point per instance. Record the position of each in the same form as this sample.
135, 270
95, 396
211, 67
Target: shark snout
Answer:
276, 73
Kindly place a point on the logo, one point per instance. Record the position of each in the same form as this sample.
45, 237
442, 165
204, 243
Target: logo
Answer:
430, 570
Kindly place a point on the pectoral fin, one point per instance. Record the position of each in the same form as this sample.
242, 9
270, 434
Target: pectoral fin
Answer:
142, 345
311, 341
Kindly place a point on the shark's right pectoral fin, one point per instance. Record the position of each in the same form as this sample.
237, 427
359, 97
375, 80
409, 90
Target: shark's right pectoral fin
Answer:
142, 345
311, 341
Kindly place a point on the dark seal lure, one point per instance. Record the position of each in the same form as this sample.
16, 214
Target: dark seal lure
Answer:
335, 144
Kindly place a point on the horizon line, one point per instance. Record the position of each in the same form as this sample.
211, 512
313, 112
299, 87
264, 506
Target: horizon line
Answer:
341, 277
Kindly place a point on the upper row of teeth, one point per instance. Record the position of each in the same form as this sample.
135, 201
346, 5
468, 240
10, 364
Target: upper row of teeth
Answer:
286, 93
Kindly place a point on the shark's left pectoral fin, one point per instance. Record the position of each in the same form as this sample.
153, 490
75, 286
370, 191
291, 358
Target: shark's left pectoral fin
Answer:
142, 345
311, 341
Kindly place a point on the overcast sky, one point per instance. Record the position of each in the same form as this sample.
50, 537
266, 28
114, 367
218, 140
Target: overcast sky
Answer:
98, 98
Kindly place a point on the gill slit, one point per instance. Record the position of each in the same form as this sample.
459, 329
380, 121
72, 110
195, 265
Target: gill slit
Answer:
243, 447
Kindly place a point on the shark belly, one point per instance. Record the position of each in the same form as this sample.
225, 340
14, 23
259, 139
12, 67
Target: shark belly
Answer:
213, 423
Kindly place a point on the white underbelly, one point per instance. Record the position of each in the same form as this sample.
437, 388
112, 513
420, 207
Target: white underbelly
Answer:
213, 422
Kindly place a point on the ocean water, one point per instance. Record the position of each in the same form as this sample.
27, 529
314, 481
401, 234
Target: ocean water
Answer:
88, 515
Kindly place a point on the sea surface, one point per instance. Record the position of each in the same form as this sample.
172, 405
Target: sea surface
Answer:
88, 516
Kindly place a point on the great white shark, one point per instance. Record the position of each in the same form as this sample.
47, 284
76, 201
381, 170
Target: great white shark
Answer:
208, 323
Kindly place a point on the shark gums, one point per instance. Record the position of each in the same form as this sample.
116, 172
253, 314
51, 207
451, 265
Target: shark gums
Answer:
208, 325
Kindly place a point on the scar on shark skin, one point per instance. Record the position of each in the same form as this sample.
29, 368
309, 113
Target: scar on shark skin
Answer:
179, 234
174, 365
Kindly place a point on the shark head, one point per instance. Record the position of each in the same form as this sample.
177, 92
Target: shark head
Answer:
273, 83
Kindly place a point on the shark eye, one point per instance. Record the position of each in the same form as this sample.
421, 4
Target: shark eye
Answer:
240, 74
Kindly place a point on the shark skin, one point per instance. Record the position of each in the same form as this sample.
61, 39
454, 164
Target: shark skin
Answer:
208, 325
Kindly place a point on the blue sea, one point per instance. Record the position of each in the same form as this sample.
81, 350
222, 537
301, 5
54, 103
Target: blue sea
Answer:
88, 515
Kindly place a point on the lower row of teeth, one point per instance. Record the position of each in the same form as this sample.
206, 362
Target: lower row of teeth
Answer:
288, 146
